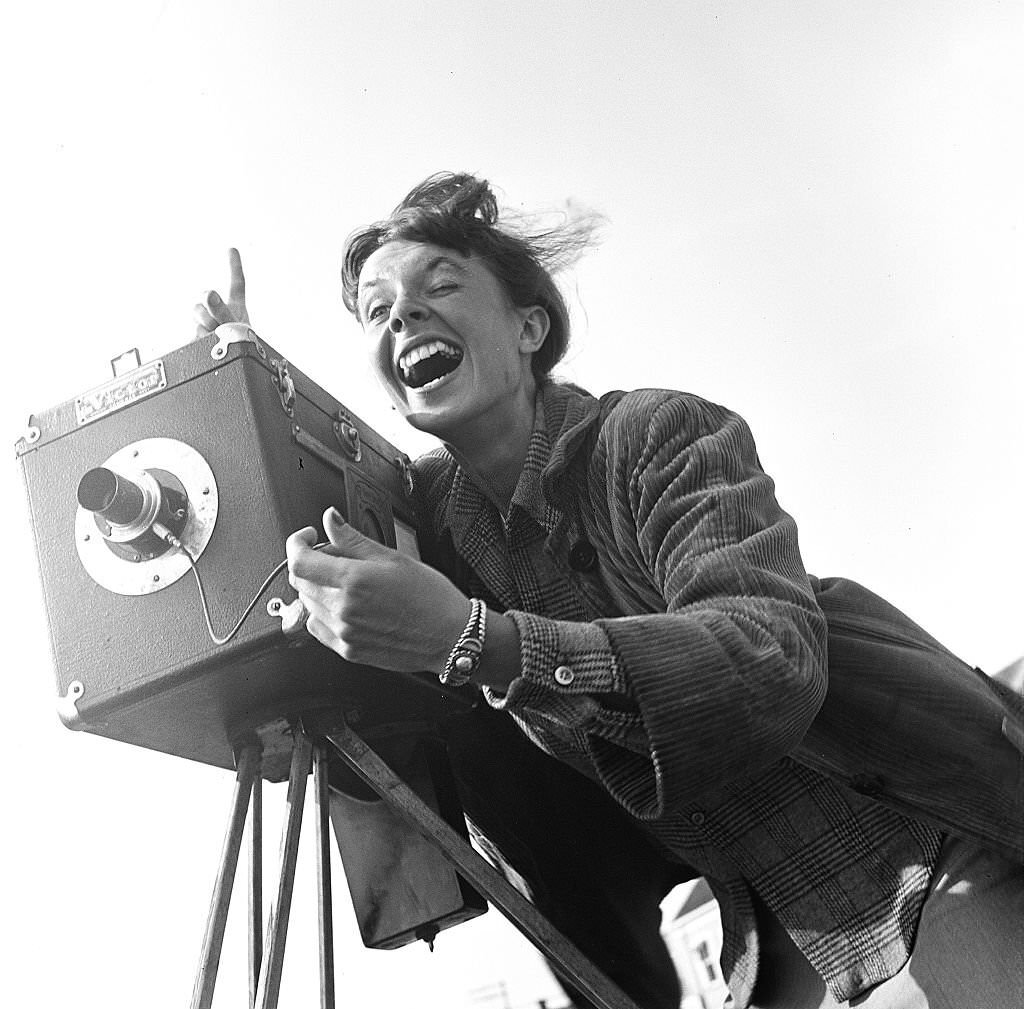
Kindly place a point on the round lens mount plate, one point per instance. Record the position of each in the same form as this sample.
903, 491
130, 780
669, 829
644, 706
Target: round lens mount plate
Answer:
139, 578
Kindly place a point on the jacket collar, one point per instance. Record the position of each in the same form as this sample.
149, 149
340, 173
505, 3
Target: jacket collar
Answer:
563, 415
569, 413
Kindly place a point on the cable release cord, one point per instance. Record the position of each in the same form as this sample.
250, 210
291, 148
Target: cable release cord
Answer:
459, 693
168, 537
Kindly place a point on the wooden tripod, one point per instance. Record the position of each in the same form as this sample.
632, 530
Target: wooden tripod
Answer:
265, 963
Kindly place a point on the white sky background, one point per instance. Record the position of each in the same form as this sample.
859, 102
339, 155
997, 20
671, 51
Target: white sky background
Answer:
816, 216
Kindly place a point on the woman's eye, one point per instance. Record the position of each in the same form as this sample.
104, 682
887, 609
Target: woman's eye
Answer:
376, 312
443, 288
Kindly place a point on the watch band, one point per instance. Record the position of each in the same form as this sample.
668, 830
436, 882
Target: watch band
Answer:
464, 658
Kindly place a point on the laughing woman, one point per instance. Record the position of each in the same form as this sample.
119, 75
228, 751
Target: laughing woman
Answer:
614, 578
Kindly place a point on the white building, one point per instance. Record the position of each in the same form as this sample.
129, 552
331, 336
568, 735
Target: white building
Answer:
692, 930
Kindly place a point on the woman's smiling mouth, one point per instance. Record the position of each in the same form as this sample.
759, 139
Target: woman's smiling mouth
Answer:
428, 363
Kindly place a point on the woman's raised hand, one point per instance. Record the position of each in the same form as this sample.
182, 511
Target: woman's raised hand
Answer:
214, 311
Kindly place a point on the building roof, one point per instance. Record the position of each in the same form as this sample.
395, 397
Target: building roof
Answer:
698, 896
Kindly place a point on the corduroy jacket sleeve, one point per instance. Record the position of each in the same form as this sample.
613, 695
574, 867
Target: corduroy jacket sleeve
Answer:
727, 679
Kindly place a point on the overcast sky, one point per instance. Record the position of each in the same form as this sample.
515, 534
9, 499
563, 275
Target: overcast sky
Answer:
815, 217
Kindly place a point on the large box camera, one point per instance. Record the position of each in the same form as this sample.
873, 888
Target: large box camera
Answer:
225, 448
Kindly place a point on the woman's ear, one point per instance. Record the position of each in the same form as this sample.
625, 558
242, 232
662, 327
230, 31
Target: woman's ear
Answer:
536, 324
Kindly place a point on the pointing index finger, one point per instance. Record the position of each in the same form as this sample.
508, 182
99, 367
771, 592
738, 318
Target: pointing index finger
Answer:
236, 292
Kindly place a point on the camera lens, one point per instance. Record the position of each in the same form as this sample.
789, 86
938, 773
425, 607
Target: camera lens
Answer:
114, 498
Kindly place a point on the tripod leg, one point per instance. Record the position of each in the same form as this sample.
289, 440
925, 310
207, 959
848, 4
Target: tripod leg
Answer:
277, 927
323, 875
255, 889
603, 992
213, 940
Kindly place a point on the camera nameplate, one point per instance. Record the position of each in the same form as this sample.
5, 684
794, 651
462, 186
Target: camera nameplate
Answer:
120, 392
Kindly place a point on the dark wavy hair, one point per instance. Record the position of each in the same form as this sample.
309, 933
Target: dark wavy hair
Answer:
460, 212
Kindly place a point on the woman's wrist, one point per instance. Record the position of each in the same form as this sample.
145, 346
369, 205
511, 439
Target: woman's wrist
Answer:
464, 658
484, 650
501, 660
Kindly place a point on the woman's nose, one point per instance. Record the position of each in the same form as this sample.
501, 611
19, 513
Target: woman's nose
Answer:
405, 311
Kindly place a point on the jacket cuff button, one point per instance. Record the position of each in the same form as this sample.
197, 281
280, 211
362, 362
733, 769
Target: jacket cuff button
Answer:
564, 676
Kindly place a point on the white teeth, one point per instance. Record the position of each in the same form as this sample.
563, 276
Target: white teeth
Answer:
424, 351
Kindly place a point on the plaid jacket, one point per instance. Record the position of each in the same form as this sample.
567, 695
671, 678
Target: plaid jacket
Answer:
673, 650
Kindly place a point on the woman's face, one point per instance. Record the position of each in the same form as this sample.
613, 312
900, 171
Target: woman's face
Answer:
445, 341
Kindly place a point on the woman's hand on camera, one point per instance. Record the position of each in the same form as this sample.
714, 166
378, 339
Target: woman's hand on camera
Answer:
214, 311
373, 605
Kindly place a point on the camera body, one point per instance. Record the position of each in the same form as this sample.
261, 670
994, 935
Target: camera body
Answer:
201, 464
227, 449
